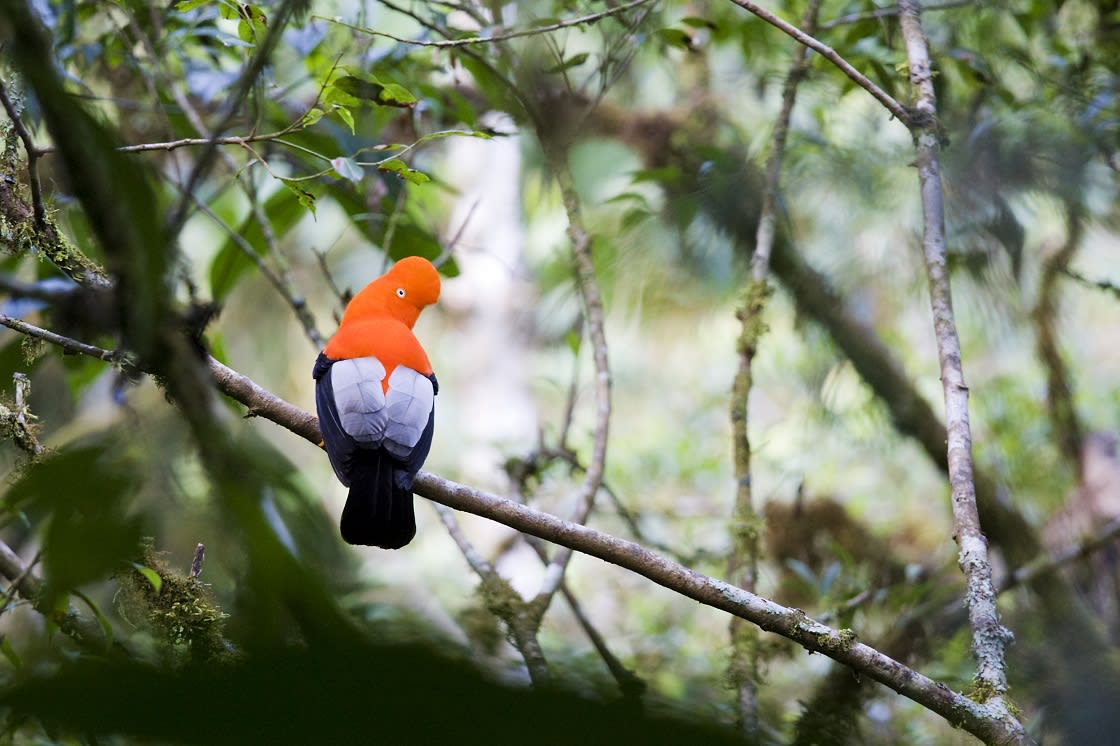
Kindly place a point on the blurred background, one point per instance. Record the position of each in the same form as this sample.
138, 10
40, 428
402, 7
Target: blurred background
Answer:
374, 137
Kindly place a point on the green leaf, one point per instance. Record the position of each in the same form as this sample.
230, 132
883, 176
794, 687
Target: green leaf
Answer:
399, 168
803, 571
305, 198
674, 37
312, 117
574, 340
348, 168
352, 88
697, 22
186, 5
98, 614
10, 653
635, 217
669, 175
346, 116
569, 63
151, 575
413, 241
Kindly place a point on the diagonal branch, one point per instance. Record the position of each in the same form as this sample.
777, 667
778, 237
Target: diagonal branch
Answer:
584, 20
990, 638
840, 645
502, 601
277, 23
903, 114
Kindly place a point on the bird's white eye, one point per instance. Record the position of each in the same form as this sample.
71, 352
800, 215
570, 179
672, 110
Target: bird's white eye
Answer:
400, 292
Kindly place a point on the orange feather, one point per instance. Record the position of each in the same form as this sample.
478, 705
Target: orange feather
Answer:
378, 321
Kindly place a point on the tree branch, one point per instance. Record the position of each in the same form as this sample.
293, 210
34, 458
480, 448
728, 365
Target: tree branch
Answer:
1064, 422
502, 601
840, 645
556, 156
900, 112
33, 155
499, 37
990, 638
891, 12
745, 669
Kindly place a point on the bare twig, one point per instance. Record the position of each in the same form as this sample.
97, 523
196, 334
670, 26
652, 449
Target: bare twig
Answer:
629, 683
248, 78
24, 436
281, 280
990, 638
193, 142
33, 155
1104, 285
71, 345
1064, 422
499, 37
903, 114
17, 581
502, 601
196, 561
742, 567
593, 308
1048, 563
890, 12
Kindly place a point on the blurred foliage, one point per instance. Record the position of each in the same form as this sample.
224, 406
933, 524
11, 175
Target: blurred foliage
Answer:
338, 158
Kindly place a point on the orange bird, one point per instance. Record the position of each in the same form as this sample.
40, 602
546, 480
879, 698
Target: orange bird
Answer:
375, 394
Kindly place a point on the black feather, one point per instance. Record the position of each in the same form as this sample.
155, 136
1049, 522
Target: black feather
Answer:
378, 513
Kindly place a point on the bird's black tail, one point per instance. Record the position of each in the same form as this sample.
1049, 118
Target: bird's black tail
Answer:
378, 513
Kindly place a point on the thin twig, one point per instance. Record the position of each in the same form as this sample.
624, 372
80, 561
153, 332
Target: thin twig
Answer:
502, 601
71, 345
1048, 563
990, 638
474, 558
280, 281
17, 581
196, 561
629, 683
33, 155
241, 90
192, 142
1065, 425
1104, 285
890, 12
500, 37
900, 112
745, 668
593, 308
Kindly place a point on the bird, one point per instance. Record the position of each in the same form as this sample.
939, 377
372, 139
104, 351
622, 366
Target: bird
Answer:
375, 396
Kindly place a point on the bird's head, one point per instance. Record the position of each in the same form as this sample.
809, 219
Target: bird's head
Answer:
402, 292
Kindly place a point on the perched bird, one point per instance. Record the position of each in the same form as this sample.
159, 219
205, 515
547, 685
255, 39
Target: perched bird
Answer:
375, 394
